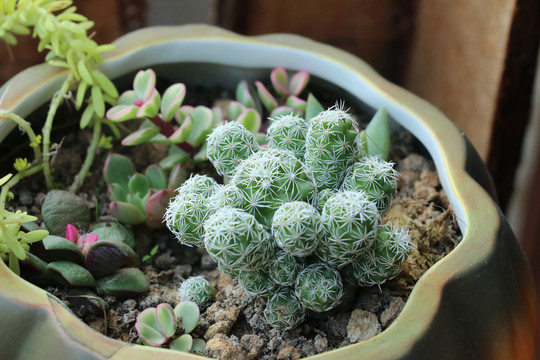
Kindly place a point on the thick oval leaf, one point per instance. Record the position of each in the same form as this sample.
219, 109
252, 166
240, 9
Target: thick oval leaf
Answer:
106, 256
298, 82
243, 94
118, 169
70, 274
166, 319
116, 192
34, 270
150, 107
144, 84
123, 283
177, 176
139, 184
111, 230
187, 313
60, 248
105, 83
198, 347
182, 133
140, 136
121, 113
171, 160
156, 205
378, 135
126, 213
156, 176
296, 103
268, 100
202, 125
234, 109
61, 208
97, 101
128, 97
280, 81
183, 343
251, 120
147, 328
171, 100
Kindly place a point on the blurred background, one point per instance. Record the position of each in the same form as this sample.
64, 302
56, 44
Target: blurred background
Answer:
477, 61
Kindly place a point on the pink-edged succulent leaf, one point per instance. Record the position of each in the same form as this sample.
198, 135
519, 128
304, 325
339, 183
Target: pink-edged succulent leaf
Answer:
182, 113
128, 97
180, 157
183, 343
139, 184
116, 192
296, 103
202, 125
251, 120
243, 94
148, 328
156, 176
268, 100
136, 200
313, 107
234, 109
284, 110
166, 319
298, 82
156, 205
121, 113
126, 213
126, 282
106, 256
177, 176
118, 169
144, 84
280, 81
72, 234
150, 107
171, 100
187, 312
140, 136
181, 134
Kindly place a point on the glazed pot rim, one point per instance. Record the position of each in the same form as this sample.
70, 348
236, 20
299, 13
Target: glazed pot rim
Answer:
475, 210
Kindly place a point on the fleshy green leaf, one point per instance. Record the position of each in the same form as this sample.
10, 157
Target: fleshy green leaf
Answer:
140, 136
118, 169
128, 98
150, 107
171, 100
280, 81
126, 213
183, 343
378, 134
202, 125
251, 120
71, 274
188, 314
198, 347
148, 329
171, 160
139, 184
121, 113
234, 109
298, 82
156, 176
166, 319
296, 103
313, 107
97, 101
144, 84
105, 83
182, 133
269, 102
87, 116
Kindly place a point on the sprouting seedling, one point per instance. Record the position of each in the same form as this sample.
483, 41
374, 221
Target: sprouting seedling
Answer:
157, 326
189, 129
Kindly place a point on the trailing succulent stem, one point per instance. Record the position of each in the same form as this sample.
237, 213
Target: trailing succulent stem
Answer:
308, 205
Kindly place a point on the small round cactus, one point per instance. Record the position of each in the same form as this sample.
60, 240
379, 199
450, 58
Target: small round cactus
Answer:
196, 289
319, 287
331, 147
285, 268
283, 310
297, 228
228, 145
270, 178
383, 260
374, 176
349, 218
235, 239
197, 184
225, 196
256, 283
288, 132
323, 196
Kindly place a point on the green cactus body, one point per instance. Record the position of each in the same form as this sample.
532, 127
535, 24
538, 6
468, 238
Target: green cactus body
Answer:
288, 132
196, 289
189, 209
285, 268
225, 196
319, 287
323, 196
349, 219
374, 176
228, 145
270, 178
331, 147
256, 283
297, 228
235, 239
283, 310
383, 260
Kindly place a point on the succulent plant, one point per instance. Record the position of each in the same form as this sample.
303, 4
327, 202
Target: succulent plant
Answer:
139, 198
284, 224
374, 176
297, 228
319, 287
383, 260
283, 310
196, 289
332, 145
62, 208
349, 219
158, 326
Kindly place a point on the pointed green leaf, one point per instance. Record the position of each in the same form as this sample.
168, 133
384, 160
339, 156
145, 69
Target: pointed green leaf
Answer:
378, 134
182, 133
313, 107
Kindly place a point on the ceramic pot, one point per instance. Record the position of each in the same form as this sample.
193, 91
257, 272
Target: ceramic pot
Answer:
477, 302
